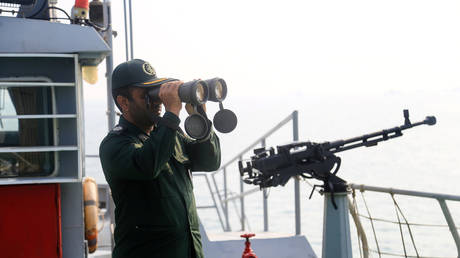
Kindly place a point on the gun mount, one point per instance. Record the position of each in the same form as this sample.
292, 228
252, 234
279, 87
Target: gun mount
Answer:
270, 167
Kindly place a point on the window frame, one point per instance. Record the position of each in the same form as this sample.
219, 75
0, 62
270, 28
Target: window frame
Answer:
40, 81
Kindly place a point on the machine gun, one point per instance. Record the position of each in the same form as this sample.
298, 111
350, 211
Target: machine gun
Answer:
269, 168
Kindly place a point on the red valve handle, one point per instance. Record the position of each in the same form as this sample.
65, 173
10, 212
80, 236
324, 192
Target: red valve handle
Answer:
248, 252
247, 236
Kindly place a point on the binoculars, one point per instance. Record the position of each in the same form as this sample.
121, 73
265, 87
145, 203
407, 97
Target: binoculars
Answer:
196, 93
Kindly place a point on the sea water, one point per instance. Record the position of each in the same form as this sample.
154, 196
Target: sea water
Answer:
425, 158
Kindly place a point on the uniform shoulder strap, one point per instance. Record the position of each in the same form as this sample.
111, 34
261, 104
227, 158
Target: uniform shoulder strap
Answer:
117, 130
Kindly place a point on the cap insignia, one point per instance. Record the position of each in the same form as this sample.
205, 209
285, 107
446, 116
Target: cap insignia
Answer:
148, 69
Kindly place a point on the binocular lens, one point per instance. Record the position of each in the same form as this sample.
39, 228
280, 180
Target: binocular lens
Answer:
194, 92
217, 89
200, 93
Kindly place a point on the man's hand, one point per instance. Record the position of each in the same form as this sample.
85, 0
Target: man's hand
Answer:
190, 109
169, 95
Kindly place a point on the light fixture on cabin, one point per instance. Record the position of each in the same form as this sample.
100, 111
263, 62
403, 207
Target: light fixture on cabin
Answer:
89, 73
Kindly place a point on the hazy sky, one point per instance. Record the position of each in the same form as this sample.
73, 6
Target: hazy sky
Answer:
298, 47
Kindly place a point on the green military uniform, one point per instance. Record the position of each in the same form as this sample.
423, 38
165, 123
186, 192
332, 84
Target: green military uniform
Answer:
150, 179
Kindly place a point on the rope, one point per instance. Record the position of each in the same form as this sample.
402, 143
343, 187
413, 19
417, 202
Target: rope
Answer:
364, 249
400, 226
355, 217
372, 224
407, 224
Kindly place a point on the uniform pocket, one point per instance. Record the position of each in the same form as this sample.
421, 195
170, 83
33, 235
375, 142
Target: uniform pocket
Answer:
179, 153
181, 158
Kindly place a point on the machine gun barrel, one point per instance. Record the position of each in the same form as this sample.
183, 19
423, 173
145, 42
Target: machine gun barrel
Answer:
373, 139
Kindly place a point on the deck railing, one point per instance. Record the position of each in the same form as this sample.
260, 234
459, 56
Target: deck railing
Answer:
404, 222
223, 195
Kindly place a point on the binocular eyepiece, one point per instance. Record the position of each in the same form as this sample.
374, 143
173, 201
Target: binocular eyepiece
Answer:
197, 92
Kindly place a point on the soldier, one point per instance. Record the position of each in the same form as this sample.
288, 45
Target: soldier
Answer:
147, 162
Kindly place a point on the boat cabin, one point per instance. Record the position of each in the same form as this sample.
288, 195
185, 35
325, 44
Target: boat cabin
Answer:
42, 135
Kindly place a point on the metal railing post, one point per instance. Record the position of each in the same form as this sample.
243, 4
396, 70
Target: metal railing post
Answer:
227, 224
131, 29
214, 199
125, 15
451, 223
264, 197
242, 200
295, 134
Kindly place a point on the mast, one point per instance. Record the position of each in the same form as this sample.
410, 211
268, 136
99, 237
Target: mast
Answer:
109, 67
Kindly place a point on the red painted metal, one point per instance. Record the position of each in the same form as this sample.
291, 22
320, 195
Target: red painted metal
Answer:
248, 252
30, 221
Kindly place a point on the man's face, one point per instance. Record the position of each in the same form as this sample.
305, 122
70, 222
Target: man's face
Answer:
138, 110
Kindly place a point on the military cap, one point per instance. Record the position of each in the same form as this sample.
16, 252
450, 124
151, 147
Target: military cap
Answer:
136, 72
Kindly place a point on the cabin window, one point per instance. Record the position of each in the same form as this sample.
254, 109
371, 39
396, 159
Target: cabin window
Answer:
26, 127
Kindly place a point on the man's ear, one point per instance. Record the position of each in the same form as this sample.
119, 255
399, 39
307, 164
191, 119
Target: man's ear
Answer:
123, 103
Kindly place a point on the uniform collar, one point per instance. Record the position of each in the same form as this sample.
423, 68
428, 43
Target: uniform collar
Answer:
132, 129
